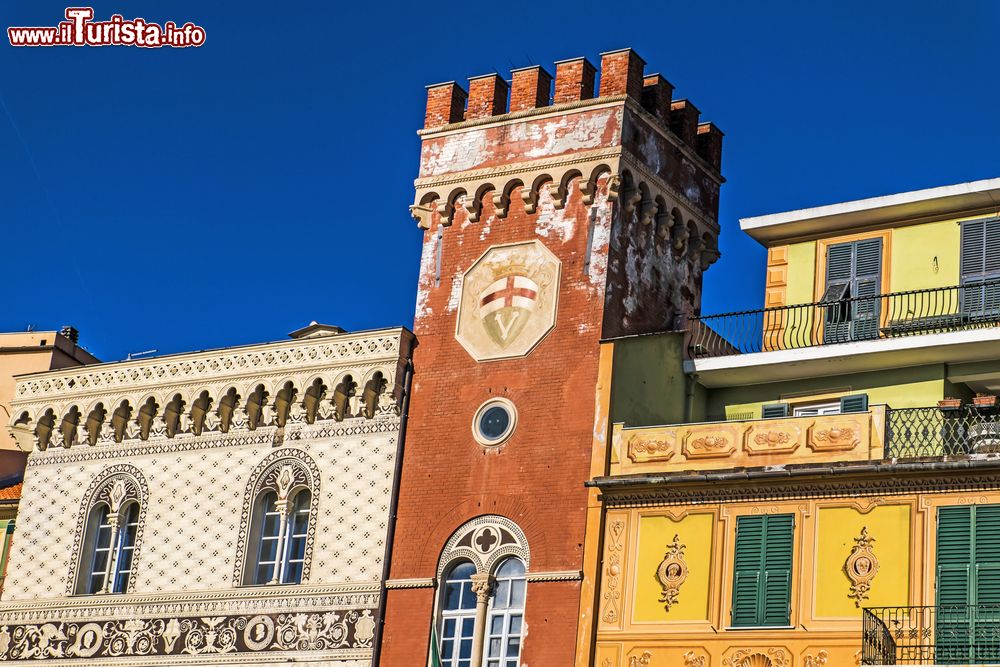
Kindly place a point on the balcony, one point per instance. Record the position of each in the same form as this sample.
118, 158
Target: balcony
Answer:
941, 635
848, 320
933, 432
880, 435
749, 443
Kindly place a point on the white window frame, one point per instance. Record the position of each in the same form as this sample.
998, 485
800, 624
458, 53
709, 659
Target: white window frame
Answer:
817, 409
459, 615
505, 613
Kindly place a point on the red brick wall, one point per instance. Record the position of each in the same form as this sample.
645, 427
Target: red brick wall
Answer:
535, 478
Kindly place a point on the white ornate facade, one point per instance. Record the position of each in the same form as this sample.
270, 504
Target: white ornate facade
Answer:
173, 467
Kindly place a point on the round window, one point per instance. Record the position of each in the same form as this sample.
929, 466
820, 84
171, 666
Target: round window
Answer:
494, 422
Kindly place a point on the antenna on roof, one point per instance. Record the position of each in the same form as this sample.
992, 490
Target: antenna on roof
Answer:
133, 355
31, 327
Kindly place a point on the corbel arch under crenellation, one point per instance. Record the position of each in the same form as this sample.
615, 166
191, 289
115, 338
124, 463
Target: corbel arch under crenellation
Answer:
431, 205
363, 391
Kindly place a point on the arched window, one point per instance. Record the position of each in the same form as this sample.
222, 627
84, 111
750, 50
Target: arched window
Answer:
506, 615
458, 616
281, 529
110, 537
281, 502
480, 620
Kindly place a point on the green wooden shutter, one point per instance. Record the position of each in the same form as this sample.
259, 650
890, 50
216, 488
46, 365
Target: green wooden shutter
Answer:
774, 410
986, 584
867, 287
762, 571
854, 403
748, 565
777, 585
839, 276
980, 263
954, 581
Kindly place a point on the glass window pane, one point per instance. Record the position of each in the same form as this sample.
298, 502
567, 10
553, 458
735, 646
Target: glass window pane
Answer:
263, 573
502, 598
293, 573
297, 548
513, 646
465, 650
517, 594
496, 625
494, 648
449, 627
468, 597
446, 648
515, 625
451, 595
468, 626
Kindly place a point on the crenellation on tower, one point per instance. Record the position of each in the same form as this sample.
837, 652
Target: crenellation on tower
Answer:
529, 88
684, 121
445, 104
657, 93
487, 96
574, 80
621, 74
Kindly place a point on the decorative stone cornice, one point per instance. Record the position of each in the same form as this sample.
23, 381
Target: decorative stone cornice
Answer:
221, 394
800, 483
426, 582
562, 575
283, 598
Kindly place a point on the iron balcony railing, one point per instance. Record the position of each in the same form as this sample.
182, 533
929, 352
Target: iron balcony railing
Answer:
968, 306
919, 432
940, 635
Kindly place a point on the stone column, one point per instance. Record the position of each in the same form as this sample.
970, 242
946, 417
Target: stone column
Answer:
482, 586
113, 553
279, 555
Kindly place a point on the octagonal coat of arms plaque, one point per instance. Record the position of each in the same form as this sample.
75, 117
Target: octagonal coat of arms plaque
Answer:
509, 300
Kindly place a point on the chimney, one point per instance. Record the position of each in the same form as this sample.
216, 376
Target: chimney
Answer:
487, 97
574, 80
71, 333
445, 104
530, 88
621, 73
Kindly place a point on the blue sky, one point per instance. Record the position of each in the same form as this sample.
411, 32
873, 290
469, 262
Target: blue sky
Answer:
184, 199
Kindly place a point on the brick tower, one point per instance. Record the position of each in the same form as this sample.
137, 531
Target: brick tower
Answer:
548, 225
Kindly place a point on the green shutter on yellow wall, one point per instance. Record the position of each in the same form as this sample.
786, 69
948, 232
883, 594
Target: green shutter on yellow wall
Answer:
762, 570
968, 584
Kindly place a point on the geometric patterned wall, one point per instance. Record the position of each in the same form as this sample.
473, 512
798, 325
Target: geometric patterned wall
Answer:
185, 603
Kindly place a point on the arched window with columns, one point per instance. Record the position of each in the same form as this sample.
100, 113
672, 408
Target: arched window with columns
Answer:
109, 532
479, 617
278, 525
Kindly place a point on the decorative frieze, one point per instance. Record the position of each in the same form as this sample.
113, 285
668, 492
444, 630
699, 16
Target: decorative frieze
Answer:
321, 630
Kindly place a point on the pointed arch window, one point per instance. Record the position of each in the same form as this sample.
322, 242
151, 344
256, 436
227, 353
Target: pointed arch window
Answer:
111, 535
281, 530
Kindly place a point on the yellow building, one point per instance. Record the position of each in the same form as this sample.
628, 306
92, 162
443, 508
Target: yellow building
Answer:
814, 483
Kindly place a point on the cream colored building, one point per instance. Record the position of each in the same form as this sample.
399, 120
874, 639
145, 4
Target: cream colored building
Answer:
221, 507
31, 351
